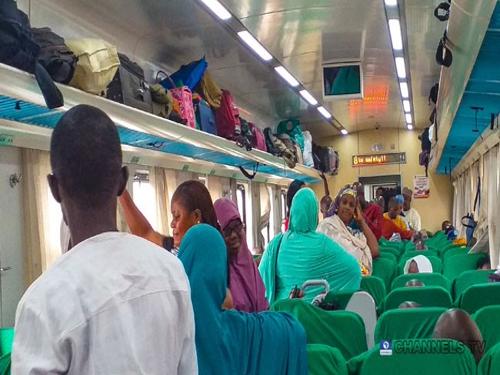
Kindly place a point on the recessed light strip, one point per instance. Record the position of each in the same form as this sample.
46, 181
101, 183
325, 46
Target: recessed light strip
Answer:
218, 9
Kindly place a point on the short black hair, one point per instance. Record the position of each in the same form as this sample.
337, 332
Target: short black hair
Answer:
294, 187
86, 156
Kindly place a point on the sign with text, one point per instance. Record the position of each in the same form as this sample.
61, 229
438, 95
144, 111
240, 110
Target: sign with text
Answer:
421, 187
378, 159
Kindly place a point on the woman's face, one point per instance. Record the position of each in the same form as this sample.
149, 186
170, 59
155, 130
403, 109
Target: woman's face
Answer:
233, 235
395, 210
413, 267
346, 208
182, 221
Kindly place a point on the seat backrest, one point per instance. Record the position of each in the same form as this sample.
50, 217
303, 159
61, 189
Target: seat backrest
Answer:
469, 278
455, 251
453, 266
389, 255
343, 330
422, 356
437, 265
487, 320
385, 269
6, 340
323, 359
417, 323
490, 363
414, 253
375, 286
363, 304
480, 295
429, 279
427, 296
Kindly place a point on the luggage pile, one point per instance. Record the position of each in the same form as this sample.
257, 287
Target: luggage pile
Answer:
189, 96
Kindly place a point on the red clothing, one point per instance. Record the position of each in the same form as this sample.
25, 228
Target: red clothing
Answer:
389, 228
373, 216
286, 222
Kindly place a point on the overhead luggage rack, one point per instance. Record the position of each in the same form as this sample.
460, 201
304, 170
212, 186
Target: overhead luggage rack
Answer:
21, 102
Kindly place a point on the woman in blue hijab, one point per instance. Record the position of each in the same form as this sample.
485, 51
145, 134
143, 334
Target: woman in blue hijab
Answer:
232, 342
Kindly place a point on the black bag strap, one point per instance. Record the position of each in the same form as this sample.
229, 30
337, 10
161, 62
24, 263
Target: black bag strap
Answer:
444, 56
53, 97
477, 199
276, 265
247, 174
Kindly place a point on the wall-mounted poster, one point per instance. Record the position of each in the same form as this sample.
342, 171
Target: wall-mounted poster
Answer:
421, 187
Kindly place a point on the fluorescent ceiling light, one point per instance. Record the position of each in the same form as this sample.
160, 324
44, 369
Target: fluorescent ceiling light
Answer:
344, 132
406, 105
400, 67
218, 9
324, 112
255, 45
310, 99
404, 90
287, 76
395, 30
410, 127
408, 118
391, 3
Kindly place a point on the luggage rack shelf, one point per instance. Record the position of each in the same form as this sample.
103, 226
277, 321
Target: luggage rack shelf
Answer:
22, 103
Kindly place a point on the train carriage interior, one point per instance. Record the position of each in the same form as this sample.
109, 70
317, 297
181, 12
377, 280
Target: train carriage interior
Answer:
249, 187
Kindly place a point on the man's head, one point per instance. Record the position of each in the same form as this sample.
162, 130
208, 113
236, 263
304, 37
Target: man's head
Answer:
445, 225
407, 194
86, 158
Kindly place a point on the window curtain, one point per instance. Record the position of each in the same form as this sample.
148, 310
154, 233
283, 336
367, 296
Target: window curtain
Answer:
162, 199
42, 215
493, 210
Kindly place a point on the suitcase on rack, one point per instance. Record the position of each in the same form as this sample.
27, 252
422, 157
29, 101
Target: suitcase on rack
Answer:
129, 86
227, 117
205, 117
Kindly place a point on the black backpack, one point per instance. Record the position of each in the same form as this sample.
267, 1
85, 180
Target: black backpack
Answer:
271, 148
19, 49
54, 55
433, 94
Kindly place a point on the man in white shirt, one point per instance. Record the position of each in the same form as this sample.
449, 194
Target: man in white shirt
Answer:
114, 303
412, 217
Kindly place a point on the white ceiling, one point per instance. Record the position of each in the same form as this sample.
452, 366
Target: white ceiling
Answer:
300, 33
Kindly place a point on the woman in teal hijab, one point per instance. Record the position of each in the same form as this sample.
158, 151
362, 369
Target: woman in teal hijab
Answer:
228, 341
302, 254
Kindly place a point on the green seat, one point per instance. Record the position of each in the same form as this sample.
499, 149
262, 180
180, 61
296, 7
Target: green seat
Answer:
429, 279
422, 356
487, 319
414, 253
323, 359
455, 265
389, 255
468, 278
454, 251
374, 286
490, 363
437, 265
343, 330
384, 269
6, 340
427, 296
480, 295
417, 323
339, 300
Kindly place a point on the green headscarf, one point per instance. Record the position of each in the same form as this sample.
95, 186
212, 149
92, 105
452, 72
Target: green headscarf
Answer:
306, 255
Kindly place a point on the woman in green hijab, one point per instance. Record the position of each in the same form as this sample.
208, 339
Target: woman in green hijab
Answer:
302, 254
230, 342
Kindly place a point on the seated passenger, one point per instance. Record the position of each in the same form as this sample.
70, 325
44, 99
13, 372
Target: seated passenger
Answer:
302, 254
372, 212
245, 283
191, 204
409, 305
232, 342
418, 264
294, 187
456, 324
113, 304
393, 222
411, 214
361, 243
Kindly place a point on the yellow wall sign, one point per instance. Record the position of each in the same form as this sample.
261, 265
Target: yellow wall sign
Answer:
378, 159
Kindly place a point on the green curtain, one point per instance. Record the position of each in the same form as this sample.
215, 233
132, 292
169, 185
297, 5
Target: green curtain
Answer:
478, 296
490, 363
325, 360
413, 357
469, 278
487, 319
343, 330
429, 279
427, 296
455, 265
407, 323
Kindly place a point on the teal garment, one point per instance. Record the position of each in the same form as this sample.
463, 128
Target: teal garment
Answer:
305, 255
231, 342
293, 129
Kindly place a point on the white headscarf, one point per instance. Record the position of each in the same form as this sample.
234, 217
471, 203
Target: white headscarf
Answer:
423, 263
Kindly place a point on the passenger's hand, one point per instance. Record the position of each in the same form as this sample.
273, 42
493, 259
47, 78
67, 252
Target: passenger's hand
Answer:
358, 214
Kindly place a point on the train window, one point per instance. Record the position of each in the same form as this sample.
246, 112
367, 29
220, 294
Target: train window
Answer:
244, 202
267, 207
283, 209
144, 196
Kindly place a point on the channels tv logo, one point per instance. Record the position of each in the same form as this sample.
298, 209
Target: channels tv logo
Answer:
386, 347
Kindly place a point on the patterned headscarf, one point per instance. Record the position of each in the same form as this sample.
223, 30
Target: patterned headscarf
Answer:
346, 190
